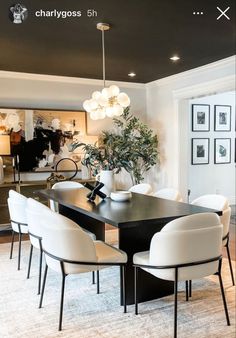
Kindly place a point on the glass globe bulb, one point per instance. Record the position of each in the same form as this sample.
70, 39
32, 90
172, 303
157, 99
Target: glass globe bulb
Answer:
86, 105
110, 111
93, 104
118, 110
114, 90
103, 101
96, 95
106, 93
123, 100
101, 114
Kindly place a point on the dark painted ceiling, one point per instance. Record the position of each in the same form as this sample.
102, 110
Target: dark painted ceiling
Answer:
144, 35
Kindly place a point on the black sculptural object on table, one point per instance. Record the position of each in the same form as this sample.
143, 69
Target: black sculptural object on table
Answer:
95, 190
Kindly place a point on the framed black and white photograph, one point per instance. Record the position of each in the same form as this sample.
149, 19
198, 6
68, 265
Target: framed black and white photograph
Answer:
200, 117
222, 118
222, 150
200, 151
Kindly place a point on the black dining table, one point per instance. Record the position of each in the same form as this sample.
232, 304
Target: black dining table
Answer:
137, 221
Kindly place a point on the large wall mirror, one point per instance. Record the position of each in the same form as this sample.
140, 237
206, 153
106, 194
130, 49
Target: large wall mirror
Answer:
39, 139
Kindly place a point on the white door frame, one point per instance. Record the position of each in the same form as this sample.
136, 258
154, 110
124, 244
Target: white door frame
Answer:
181, 113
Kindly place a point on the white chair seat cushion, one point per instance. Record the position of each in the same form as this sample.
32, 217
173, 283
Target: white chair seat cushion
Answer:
104, 252
141, 258
192, 272
108, 254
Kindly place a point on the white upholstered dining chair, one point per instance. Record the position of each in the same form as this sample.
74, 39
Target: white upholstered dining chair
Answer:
169, 194
34, 210
54, 206
70, 250
64, 185
185, 249
142, 188
219, 202
17, 210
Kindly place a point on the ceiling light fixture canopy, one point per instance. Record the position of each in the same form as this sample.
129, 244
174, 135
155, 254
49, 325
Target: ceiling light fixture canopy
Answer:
110, 101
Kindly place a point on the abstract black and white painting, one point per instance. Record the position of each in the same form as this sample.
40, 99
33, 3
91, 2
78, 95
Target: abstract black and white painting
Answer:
41, 138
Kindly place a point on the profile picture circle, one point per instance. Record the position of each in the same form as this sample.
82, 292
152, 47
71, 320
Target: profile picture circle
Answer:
18, 13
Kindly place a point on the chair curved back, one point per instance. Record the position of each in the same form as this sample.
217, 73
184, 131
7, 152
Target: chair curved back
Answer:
169, 194
213, 201
217, 202
34, 210
63, 185
67, 185
17, 210
65, 239
186, 240
142, 188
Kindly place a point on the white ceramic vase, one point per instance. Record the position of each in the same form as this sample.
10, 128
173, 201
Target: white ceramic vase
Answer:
107, 177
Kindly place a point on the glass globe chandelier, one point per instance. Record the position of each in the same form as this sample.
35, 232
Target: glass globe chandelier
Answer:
110, 101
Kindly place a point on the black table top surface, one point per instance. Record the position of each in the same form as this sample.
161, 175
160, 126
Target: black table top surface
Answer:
141, 209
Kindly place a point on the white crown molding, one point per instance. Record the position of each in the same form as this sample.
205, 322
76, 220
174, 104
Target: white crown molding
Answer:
66, 79
213, 87
227, 62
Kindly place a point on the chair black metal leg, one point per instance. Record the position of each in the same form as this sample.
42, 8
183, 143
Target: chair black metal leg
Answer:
30, 259
19, 251
62, 300
40, 271
190, 288
136, 289
176, 302
12, 243
43, 286
123, 269
223, 298
230, 263
93, 277
186, 290
98, 282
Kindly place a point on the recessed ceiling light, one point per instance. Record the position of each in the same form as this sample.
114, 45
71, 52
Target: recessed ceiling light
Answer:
131, 74
175, 58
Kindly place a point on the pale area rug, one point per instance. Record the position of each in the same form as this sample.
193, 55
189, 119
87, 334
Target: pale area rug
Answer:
89, 315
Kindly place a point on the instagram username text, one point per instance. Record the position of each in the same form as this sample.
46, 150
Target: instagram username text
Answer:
64, 14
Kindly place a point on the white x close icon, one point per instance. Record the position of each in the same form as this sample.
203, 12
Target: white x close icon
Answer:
223, 13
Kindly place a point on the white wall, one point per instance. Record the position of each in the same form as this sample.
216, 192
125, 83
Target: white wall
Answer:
213, 178
163, 104
20, 90
167, 112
